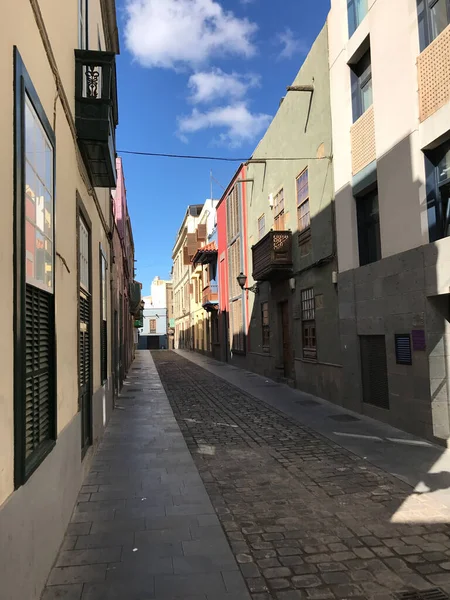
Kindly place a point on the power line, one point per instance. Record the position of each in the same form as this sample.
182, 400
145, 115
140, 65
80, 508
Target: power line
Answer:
223, 158
182, 156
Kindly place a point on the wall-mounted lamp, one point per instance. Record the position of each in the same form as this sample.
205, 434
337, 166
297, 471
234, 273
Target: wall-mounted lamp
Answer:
242, 279
292, 284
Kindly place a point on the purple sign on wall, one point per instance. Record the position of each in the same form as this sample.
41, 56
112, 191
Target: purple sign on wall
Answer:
418, 340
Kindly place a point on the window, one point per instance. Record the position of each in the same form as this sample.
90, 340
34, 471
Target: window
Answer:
357, 10
437, 165
361, 81
279, 211
103, 319
83, 33
152, 325
303, 214
309, 324
265, 330
434, 17
368, 228
34, 316
261, 226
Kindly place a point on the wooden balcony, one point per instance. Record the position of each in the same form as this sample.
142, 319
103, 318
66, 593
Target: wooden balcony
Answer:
363, 141
210, 297
433, 70
96, 114
272, 256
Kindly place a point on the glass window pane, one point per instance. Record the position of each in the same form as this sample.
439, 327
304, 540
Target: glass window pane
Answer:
444, 168
361, 10
39, 273
30, 249
48, 279
366, 96
439, 18
38, 201
40, 208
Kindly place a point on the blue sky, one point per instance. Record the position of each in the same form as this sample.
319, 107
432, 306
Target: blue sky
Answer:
198, 77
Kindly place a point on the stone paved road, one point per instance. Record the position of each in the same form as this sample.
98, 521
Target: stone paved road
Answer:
305, 518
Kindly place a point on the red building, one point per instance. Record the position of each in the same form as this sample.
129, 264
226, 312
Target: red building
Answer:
232, 260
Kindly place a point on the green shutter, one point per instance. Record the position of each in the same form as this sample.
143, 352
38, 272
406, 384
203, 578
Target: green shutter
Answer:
39, 384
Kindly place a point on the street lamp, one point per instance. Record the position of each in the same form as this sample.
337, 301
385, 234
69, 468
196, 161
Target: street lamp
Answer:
241, 279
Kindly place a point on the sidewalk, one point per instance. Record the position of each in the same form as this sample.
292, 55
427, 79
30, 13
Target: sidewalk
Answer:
144, 527
417, 462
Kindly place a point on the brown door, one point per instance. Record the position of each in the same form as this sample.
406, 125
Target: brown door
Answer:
286, 339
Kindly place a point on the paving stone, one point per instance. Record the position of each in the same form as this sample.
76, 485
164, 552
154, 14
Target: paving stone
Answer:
274, 572
333, 578
306, 581
304, 569
346, 590
63, 592
81, 574
249, 570
72, 558
289, 561
279, 584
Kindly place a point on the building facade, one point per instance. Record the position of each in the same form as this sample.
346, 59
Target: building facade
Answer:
293, 333
232, 240
170, 316
123, 310
154, 332
391, 129
204, 295
58, 118
184, 249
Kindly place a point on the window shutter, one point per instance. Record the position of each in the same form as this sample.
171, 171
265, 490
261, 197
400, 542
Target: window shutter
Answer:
192, 243
186, 259
403, 349
39, 394
84, 341
201, 232
104, 350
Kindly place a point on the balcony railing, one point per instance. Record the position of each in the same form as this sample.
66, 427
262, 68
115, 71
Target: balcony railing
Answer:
363, 141
272, 256
433, 69
210, 296
96, 114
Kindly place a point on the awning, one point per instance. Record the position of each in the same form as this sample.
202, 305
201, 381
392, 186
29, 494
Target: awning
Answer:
205, 255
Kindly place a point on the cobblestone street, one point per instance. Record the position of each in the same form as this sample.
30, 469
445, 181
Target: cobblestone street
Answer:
305, 518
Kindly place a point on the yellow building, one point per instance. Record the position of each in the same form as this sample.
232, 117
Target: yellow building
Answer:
57, 165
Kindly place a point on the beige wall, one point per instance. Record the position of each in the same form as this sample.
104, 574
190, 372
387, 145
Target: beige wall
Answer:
394, 44
19, 28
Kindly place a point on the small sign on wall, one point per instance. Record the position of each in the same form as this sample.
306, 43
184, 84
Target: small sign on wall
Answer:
419, 340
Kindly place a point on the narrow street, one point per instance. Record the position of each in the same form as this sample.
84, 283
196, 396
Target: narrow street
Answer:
249, 505
304, 517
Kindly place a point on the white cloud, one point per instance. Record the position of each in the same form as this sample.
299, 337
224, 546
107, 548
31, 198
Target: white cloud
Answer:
175, 33
239, 123
290, 45
207, 86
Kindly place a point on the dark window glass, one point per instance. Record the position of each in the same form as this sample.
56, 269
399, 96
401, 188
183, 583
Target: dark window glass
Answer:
437, 167
433, 18
361, 83
368, 228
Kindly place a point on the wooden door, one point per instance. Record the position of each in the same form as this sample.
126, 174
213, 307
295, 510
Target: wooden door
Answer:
286, 339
